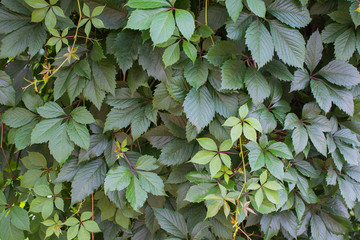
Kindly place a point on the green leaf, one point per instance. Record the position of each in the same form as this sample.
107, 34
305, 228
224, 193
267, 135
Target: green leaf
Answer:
172, 222
290, 13
117, 178
257, 7
273, 185
126, 48
332, 31
345, 45
151, 183
249, 132
280, 149
89, 177
197, 192
148, 4
199, 107
289, 44
226, 145
340, 73
83, 234
45, 130
59, 144
17, 117
136, 78
314, 50
259, 197
196, 74
34, 160
79, 134
104, 75
321, 94
51, 110
347, 191
7, 92
274, 165
318, 229
272, 195
171, 54
260, 43
234, 8
135, 194
343, 99
142, 19
189, 50
236, 132
256, 156
37, 3
232, 74
91, 226
207, 144
9, 231
162, 27
215, 165
82, 115
19, 218
301, 80
185, 23
256, 85
221, 51
203, 157
176, 152
299, 139
147, 163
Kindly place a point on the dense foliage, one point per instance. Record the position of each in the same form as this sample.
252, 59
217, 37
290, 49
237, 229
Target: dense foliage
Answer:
186, 119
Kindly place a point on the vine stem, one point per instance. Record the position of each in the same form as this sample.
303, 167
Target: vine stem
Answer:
206, 18
127, 160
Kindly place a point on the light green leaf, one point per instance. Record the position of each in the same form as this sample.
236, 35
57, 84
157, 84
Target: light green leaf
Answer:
273, 185
203, 157
259, 197
37, 3
236, 132
148, 4
260, 43
185, 23
189, 50
207, 144
162, 27
226, 145
272, 195
142, 19
215, 165
135, 194
171, 54
249, 132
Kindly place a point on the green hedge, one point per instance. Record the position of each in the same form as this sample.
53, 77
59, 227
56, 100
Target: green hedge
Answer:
186, 119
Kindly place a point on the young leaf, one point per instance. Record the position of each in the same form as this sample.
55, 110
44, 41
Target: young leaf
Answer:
185, 23
162, 27
171, 54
